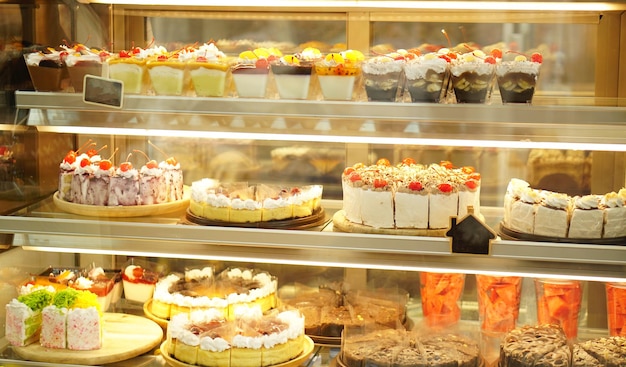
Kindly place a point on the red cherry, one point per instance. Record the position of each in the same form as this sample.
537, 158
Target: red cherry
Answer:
452, 55
497, 53
162, 57
261, 64
91, 152
468, 170
446, 164
201, 59
85, 162
383, 162
138, 272
69, 158
63, 55
490, 60
416, 186
105, 164
136, 50
379, 183
348, 170
152, 164
354, 176
124, 54
126, 166
536, 57
408, 161
445, 187
295, 191
471, 184
445, 57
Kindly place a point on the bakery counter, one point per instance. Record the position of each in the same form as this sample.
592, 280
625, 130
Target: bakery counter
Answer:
43, 227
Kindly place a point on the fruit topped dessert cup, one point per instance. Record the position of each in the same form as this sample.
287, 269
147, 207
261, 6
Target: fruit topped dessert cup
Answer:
47, 70
129, 67
83, 61
382, 75
139, 281
517, 78
441, 296
338, 74
167, 74
292, 73
427, 76
251, 72
473, 75
209, 70
558, 302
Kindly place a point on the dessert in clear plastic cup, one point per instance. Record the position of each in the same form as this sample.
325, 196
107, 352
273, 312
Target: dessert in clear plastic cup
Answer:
82, 61
167, 75
47, 70
498, 302
209, 70
251, 72
129, 67
292, 77
338, 73
427, 77
616, 308
382, 76
558, 302
441, 296
517, 78
472, 77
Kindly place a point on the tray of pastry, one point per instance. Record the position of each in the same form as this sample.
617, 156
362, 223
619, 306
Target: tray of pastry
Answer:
509, 234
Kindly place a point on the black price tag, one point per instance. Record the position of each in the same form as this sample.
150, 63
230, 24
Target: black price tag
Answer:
103, 92
470, 236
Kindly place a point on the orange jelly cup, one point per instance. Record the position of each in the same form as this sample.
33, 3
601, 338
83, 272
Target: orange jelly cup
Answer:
498, 302
558, 302
441, 295
616, 308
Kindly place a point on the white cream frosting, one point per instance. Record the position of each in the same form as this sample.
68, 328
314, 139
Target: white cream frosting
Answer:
247, 204
530, 196
381, 65
526, 67
612, 200
557, 200
271, 203
145, 171
587, 202
166, 166
218, 200
131, 173
417, 68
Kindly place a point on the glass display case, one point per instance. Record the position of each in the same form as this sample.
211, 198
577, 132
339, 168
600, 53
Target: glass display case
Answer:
570, 139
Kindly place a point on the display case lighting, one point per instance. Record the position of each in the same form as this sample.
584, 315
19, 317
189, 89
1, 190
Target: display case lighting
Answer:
390, 5
338, 138
326, 263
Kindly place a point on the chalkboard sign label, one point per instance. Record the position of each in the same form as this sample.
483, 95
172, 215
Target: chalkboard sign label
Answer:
103, 92
470, 235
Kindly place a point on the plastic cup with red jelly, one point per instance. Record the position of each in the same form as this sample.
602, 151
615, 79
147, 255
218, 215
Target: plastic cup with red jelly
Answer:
558, 302
498, 302
616, 308
441, 298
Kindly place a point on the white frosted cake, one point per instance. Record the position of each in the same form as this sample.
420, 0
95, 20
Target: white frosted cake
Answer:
409, 195
551, 214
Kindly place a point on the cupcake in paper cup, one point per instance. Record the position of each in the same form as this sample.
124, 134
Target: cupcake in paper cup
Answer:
382, 75
517, 78
427, 77
338, 73
472, 76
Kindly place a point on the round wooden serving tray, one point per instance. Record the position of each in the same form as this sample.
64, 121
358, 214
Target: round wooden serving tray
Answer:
316, 219
147, 310
308, 349
124, 336
342, 224
122, 211
509, 234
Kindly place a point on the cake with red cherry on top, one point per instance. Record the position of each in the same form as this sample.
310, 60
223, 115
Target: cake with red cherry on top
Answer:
208, 69
517, 78
408, 195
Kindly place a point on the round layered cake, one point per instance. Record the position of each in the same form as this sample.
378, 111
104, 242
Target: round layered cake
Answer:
409, 195
200, 289
546, 345
251, 339
401, 348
